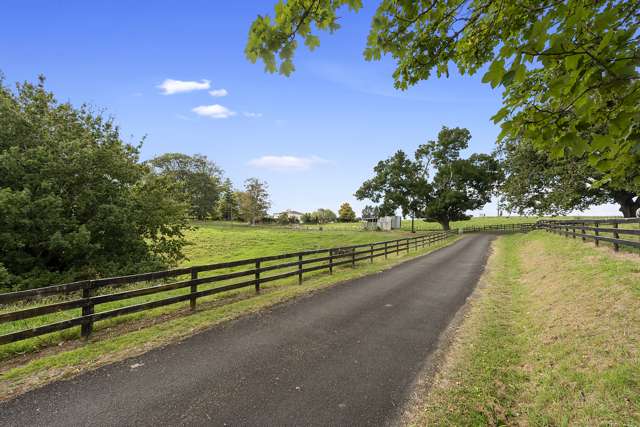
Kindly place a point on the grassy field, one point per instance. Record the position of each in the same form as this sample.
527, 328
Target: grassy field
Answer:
552, 338
57, 355
406, 223
215, 242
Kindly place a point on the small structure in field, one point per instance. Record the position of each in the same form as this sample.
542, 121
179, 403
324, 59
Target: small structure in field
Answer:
295, 215
384, 223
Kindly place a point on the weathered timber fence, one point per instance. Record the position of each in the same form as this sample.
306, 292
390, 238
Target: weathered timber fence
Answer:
589, 229
518, 227
91, 294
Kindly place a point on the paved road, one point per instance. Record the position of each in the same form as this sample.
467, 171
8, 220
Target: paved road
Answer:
343, 356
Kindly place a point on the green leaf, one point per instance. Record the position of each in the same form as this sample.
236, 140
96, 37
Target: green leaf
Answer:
508, 78
601, 142
501, 114
556, 152
312, 42
286, 68
571, 62
579, 147
605, 41
495, 73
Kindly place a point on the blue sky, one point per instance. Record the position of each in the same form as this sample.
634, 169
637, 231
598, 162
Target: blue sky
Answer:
314, 137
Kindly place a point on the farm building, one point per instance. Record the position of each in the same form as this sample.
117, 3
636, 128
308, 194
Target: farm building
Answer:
290, 213
384, 223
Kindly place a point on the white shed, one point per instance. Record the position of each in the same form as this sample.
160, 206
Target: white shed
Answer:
385, 223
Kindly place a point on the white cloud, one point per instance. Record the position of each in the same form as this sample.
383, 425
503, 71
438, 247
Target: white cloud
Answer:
170, 86
215, 111
218, 93
252, 115
286, 163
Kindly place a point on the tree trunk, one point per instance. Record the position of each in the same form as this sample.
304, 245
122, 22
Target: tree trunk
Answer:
413, 227
445, 224
628, 206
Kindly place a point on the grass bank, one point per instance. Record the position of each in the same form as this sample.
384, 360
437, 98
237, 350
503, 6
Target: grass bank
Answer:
159, 327
552, 338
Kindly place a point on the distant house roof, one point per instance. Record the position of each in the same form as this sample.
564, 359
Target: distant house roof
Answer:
289, 212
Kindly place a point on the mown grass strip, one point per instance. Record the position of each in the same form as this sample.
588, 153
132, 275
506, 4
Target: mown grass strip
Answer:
483, 380
552, 338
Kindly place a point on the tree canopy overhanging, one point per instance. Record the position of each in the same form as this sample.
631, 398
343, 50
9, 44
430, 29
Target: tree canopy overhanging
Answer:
537, 184
569, 69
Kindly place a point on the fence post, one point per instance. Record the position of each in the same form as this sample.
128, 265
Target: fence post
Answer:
386, 250
597, 233
584, 239
330, 261
371, 256
407, 245
299, 269
257, 276
87, 328
573, 231
616, 247
194, 289
353, 258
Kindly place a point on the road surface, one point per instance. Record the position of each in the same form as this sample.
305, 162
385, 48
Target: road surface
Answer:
346, 355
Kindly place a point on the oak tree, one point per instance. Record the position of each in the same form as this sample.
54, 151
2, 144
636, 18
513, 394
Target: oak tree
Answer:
437, 184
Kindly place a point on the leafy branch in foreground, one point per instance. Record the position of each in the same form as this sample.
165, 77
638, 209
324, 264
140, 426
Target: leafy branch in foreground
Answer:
570, 69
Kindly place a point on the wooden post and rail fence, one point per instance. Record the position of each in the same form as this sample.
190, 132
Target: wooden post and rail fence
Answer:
591, 230
86, 295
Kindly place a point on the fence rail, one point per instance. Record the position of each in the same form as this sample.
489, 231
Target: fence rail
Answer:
516, 227
88, 295
589, 229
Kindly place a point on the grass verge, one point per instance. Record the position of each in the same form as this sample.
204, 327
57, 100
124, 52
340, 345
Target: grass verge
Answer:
123, 341
552, 338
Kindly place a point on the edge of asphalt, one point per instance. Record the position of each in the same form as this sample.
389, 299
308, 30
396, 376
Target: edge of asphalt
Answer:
424, 381
258, 312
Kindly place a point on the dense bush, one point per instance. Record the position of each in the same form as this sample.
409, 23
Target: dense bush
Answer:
75, 202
